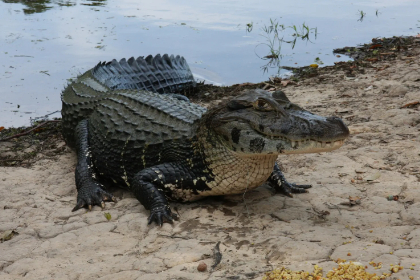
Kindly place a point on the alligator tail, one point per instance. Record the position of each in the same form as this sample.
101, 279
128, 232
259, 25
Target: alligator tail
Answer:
162, 74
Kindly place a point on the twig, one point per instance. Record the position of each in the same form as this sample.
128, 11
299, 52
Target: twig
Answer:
278, 218
217, 256
12, 159
173, 236
332, 206
29, 131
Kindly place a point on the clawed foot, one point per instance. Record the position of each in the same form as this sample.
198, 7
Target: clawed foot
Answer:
290, 188
160, 213
92, 195
281, 185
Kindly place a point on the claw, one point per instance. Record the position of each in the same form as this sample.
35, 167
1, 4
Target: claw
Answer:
158, 215
169, 218
289, 194
299, 188
78, 206
150, 219
93, 195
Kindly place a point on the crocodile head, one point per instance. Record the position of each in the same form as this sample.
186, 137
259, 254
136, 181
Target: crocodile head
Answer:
260, 122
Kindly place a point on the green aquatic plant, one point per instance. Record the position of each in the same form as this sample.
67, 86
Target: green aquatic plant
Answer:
249, 26
362, 15
275, 34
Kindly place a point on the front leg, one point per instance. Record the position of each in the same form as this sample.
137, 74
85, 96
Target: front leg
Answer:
153, 187
280, 183
89, 191
148, 188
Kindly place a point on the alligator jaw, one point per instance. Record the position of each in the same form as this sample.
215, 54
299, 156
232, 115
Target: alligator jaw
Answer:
313, 146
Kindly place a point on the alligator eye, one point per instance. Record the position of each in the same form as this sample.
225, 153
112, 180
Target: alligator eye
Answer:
262, 105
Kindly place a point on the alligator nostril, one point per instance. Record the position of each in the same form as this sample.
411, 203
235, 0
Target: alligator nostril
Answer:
344, 132
333, 119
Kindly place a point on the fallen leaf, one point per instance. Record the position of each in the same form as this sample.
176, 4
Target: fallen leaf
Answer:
375, 46
373, 177
107, 216
244, 84
285, 82
371, 59
404, 106
267, 86
7, 235
343, 111
354, 200
314, 65
383, 68
275, 79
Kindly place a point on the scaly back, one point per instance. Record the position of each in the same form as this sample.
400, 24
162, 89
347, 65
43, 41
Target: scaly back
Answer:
159, 74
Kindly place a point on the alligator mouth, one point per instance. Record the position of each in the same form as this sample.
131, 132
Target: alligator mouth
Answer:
309, 146
304, 146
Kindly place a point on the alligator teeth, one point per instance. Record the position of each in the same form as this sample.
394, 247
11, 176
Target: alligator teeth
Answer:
323, 144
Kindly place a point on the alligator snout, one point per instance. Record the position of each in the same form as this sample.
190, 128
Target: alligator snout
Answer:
340, 131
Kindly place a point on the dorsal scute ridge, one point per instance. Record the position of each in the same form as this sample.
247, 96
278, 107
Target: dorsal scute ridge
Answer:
163, 74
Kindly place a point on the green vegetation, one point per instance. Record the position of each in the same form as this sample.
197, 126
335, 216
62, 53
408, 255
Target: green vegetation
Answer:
275, 34
249, 26
362, 15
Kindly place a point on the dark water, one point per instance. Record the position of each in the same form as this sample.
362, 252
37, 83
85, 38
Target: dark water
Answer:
44, 43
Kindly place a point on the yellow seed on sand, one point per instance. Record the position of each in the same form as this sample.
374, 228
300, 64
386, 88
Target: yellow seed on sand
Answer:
345, 270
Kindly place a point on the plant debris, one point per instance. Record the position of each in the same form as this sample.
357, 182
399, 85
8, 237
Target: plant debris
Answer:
24, 146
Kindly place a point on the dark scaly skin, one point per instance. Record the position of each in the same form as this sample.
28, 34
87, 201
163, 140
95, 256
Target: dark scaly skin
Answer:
89, 191
151, 196
280, 184
162, 147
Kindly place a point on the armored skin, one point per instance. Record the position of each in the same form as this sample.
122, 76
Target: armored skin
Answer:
131, 126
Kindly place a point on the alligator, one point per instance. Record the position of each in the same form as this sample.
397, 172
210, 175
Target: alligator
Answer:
132, 125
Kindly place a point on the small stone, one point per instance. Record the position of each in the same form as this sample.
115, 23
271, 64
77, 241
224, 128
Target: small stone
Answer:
202, 267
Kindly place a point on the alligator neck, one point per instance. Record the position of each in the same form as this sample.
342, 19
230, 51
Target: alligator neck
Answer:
234, 172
